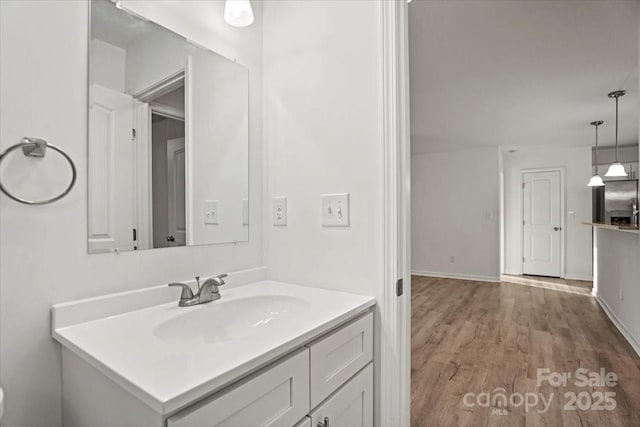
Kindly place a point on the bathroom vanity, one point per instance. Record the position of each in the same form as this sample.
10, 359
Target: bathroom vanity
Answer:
266, 353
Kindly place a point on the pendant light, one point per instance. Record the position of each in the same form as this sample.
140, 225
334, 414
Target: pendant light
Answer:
238, 13
596, 180
616, 169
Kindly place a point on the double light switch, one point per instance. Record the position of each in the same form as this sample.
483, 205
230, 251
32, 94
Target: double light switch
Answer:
335, 210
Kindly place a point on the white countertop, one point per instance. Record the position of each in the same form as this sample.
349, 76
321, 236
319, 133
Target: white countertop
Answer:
133, 350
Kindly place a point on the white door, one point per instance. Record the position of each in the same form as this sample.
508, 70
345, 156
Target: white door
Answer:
542, 222
350, 406
111, 175
177, 233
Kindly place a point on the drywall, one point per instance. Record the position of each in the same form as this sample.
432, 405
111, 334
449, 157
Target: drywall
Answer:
322, 95
576, 162
43, 250
109, 63
521, 72
617, 284
617, 274
455, 209
323, 134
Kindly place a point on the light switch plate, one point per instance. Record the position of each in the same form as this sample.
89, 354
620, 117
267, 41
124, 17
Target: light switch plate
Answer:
279, 211
245, 211
212, 212
335, 210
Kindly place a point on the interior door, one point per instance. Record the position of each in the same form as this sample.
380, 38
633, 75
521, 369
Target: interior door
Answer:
111, 171
542, 232
177, 233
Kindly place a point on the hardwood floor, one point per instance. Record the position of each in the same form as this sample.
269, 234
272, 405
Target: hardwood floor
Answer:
476, 337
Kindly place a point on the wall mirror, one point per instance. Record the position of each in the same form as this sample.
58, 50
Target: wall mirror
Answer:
168, 138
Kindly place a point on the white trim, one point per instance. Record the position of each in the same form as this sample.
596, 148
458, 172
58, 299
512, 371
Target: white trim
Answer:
393, 393
563, 227
188, 141
477, 278
144, 176
162, 87
166, 111
578, 277
617, 323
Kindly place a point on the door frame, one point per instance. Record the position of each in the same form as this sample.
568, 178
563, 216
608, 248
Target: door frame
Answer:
394, 386
562, 216
145, 108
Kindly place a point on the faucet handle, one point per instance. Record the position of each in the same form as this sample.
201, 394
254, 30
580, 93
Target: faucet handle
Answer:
220, 277
187, 293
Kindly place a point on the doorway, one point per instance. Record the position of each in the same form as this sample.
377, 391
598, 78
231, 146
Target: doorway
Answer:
168, 180
542, 217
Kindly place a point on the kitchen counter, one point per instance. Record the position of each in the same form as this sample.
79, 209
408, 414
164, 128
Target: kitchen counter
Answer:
625, 228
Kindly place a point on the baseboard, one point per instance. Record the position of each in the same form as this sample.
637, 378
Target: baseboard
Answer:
617, 323
474, 277
578, 277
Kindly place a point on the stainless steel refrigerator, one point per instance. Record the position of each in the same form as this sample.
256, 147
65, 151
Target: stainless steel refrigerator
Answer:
620, 197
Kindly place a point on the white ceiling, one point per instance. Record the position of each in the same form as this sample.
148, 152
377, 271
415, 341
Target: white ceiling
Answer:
521, 72
116, 26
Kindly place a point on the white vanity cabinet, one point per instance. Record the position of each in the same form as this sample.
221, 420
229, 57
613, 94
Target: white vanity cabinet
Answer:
339, 355
350, 406
267, 354
277, 396
330, 378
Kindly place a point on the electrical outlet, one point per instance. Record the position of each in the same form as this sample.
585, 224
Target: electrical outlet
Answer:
212, 212
452, 259
335, 210
279, 211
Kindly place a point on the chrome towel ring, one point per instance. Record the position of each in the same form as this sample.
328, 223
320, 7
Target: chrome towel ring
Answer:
34, 147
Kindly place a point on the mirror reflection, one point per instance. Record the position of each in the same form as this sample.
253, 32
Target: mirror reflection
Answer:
168, 138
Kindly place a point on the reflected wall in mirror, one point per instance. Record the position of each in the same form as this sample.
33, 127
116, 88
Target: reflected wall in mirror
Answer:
168, 138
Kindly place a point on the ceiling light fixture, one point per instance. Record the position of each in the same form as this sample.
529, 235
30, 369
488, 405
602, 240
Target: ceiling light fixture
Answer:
238, 13
596, 180
616, 169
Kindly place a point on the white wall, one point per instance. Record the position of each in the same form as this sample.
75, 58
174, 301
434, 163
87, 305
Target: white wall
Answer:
576, 162
455, 209
109, 63
322, 95
617, 257
43, 249
323, 134
617, 273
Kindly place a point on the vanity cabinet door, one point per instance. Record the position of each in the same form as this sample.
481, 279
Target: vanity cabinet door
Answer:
277, 396
340, 355
351, 406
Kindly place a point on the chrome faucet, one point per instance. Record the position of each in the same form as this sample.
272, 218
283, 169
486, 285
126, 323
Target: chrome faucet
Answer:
206, 293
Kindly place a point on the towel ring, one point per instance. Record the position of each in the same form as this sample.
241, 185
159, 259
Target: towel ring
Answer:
34, 147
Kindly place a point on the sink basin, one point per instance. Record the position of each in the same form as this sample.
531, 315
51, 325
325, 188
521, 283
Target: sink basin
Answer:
236, 319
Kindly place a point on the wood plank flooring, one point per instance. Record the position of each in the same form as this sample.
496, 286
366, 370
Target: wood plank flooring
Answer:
475, 337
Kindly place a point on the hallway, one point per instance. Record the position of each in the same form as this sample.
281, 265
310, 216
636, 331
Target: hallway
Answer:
470, 338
